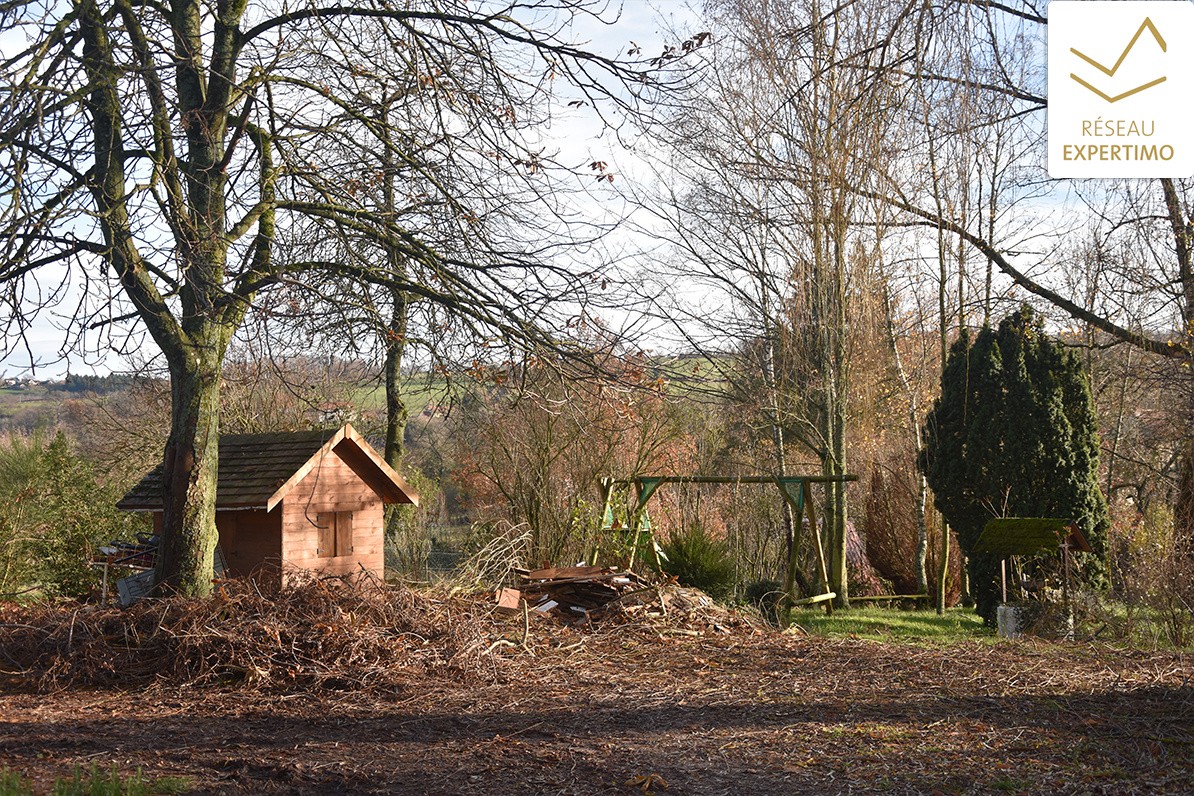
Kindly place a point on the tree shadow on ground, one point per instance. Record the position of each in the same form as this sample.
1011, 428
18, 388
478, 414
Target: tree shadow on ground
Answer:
1114, 741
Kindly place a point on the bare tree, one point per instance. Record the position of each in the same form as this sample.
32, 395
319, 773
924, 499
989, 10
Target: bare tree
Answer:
162, 158
533, 447
791, 115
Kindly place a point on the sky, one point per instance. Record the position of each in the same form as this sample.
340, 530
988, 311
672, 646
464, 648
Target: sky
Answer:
578, 137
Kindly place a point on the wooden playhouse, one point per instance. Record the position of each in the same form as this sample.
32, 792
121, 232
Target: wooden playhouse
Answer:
295, 502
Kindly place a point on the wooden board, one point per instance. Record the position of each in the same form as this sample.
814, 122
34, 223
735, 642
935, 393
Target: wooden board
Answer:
875, 598
555, 573
820, 598
352, 517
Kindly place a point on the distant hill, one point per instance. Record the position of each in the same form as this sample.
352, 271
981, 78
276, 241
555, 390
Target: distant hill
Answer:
113, 382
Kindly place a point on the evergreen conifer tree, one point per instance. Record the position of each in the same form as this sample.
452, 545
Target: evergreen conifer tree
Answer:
1014, 435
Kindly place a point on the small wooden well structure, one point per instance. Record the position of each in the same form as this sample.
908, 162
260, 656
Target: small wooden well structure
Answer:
1025, 536
294, 502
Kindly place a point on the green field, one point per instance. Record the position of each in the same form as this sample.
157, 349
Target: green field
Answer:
419, 390
30, 406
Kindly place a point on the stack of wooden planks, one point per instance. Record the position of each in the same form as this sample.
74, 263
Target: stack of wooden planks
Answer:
568, 592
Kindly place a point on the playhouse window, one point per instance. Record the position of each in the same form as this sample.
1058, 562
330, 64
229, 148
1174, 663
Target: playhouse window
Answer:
335, 533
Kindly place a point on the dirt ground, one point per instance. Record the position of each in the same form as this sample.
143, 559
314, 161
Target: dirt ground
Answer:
629, 711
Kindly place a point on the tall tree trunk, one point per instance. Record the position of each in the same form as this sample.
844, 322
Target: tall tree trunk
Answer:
208, 316
964, 575
838, 344
943, 568
792, 533
396, 410
1184, 514
194, 343
191, 467
395, 334
942, 284
1183, 240
836, 509
920, 560
1119, 427
943, 561
922, 526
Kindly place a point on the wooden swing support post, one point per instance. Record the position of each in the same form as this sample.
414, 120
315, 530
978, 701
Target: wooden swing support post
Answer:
795, 489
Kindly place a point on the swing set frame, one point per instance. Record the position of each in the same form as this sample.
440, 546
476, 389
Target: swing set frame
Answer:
796, 490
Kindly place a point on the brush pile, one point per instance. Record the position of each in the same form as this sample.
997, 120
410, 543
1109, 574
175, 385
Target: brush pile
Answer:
323, 634
587, 596
674, 608
333, 633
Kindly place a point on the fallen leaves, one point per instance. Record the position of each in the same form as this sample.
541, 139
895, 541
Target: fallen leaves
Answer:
605, 707
646, 782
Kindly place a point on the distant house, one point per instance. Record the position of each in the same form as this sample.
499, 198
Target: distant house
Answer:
335, 413
291, 502
436, 410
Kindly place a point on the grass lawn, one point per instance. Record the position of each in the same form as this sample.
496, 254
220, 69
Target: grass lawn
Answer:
892, 624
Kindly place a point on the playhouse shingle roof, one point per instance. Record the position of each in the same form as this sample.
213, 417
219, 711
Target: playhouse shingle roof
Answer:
256, 470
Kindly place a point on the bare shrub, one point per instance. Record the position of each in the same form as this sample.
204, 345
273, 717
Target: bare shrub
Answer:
1154, 575
889, 528
503, 548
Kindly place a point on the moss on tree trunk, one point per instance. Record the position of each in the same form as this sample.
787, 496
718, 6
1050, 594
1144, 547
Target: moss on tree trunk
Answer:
189, 534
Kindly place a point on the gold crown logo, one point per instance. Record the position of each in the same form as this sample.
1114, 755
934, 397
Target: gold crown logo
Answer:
1110, 72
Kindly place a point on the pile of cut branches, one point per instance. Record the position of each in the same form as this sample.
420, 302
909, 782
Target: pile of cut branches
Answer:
332, 633
335, 633
671, 607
